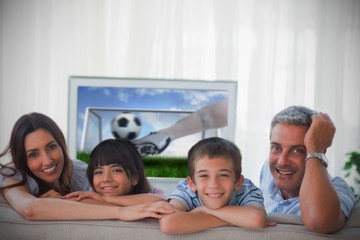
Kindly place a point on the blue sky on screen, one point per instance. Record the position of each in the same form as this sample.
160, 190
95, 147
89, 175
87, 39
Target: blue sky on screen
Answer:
136, 100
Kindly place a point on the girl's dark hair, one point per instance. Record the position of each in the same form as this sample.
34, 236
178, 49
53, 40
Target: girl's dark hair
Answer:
123, 152
29, 123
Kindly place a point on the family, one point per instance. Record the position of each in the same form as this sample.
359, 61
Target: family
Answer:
43, 183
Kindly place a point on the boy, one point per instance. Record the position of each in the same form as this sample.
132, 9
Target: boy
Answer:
215, 193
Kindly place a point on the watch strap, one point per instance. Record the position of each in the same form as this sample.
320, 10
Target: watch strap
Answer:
320, 156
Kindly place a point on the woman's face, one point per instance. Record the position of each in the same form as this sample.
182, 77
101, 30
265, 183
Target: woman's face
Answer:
45, 157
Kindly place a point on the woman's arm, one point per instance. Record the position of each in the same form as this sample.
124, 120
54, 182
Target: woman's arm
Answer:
33, 208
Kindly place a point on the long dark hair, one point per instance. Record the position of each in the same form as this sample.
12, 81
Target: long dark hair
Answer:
122, 152
29, 123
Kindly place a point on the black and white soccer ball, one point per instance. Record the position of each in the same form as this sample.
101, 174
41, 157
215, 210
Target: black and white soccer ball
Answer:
126, 125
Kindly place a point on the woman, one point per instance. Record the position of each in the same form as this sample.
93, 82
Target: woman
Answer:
45, 172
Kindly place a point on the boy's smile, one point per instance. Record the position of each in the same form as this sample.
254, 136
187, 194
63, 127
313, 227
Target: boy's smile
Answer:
214, 181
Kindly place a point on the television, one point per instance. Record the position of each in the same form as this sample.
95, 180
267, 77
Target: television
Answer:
95, 102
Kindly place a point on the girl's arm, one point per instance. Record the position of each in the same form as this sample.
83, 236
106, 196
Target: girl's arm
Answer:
125, 200
33, 208
53, 194
135, 199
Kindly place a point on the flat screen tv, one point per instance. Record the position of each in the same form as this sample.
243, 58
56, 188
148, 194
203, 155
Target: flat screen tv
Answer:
156, 103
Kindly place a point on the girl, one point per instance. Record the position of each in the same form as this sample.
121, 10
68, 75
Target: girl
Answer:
117, 176
44, 171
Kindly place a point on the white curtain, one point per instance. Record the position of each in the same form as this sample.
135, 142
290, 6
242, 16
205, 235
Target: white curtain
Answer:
281, 52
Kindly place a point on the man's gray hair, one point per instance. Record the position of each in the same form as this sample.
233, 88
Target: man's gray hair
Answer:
293, 115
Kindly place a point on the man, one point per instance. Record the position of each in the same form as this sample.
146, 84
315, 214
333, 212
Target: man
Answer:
295, 179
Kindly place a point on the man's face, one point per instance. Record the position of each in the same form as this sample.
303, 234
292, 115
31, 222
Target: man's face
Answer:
287, 158
214, 180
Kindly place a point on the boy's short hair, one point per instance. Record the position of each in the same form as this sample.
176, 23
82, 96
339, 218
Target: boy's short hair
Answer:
214, 147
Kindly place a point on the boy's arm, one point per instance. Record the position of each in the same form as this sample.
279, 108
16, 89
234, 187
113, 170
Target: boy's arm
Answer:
252, 216
187, 222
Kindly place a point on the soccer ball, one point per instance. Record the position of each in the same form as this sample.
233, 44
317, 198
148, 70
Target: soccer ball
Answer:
126, 125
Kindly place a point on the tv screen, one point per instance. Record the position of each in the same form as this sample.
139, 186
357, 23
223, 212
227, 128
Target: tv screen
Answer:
97, 105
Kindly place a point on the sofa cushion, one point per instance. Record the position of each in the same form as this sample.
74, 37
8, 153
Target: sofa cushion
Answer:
285, 218
2, 199
354, 220
14, 226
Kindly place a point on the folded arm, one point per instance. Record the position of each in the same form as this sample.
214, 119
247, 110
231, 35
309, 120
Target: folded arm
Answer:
188, 222
251, 216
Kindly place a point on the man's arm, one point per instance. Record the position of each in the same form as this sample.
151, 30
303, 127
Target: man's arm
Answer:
319, 202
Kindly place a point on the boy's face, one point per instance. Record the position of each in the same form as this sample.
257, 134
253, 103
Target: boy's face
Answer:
214, 180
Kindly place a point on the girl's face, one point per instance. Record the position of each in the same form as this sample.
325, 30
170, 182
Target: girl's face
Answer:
112, 180
44, 156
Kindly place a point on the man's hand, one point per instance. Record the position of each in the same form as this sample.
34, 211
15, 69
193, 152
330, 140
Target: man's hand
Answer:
320, 134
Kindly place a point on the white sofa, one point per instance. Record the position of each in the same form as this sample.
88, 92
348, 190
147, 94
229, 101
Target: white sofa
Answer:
14, 226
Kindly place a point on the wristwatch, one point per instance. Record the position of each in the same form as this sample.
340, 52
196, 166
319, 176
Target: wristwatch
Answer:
320, 156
